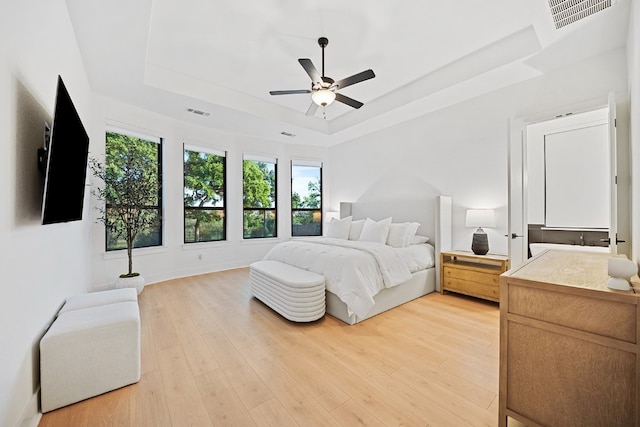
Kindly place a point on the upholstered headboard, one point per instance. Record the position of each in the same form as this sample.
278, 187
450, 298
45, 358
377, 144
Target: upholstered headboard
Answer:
434, 216
401, 211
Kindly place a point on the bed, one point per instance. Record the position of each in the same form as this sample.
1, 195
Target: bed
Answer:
353, 293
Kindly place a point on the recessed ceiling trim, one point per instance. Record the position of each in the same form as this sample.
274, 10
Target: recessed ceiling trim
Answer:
510, 49
164, 79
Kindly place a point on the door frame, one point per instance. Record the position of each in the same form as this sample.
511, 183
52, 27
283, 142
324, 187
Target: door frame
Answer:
517, 184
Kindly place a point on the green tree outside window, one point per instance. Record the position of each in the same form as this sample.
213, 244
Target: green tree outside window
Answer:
204, 196
259, 199
127, 153
306, 200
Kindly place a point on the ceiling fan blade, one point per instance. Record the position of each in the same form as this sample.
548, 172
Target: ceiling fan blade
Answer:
310, 69
289, 92
312, 109
356, 78
349, 101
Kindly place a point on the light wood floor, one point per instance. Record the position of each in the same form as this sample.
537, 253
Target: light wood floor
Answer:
214, 356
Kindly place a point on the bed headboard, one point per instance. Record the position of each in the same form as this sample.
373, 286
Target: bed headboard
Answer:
401, 211
434, 216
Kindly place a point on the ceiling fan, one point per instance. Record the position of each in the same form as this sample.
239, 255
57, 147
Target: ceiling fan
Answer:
324, 90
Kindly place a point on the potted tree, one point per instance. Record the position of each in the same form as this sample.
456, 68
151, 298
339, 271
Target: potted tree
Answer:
128, 185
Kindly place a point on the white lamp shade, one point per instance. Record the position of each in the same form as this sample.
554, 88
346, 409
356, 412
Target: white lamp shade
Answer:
480, 218
323, 97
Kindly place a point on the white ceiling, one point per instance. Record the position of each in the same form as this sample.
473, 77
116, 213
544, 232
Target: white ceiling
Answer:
224, 56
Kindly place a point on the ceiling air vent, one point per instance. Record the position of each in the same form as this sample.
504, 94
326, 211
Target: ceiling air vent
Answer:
198, 112
567, 12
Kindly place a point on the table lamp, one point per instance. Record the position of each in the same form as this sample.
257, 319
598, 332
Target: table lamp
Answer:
480, 218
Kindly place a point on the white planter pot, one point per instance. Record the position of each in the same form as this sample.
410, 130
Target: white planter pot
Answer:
130, 282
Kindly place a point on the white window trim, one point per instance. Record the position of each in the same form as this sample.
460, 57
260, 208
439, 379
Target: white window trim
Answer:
133, 134
304, 162
258, 158
200, 149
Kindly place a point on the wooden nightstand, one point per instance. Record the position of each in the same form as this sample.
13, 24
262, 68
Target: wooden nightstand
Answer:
470, 274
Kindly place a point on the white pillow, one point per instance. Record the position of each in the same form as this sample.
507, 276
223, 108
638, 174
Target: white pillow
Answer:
400, 234
397, 234
418, 240
411, 232
356, 229
339, 228
373, 231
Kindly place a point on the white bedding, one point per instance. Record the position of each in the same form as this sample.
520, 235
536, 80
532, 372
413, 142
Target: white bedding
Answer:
354, 271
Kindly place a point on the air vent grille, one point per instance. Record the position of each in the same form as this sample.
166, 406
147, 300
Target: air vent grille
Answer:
567, 12
198, 112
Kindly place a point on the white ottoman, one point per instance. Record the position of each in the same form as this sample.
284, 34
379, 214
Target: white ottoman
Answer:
94, 299
89, 351
296, 294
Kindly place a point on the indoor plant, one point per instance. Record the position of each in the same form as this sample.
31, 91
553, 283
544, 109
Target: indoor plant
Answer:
129, 185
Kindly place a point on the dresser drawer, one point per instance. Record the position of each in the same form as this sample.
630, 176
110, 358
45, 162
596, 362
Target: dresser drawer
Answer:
608, 318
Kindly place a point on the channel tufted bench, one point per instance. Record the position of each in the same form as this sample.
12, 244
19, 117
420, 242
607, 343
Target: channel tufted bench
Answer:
294, 293
92, 347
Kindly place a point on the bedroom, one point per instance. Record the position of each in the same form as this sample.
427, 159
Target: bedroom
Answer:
459, 151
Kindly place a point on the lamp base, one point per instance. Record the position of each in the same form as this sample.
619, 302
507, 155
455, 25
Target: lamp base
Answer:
618, 283
480, 242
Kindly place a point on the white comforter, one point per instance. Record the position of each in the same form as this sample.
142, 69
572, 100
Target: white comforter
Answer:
354, 271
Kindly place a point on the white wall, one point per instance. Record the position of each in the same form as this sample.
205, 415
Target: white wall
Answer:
39, 265
461, 151
633, 63
174, 258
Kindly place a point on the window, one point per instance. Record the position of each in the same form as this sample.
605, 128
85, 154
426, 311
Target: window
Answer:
259, 180
123, 148
204, 195
306, 199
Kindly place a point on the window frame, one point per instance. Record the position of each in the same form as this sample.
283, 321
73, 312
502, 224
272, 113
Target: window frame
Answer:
159, 207
307, 163
264, 210
223, 209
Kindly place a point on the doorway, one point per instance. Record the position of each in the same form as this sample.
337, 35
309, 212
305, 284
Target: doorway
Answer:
560, 164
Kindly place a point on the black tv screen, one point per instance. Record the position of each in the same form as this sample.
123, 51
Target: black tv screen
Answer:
67, 163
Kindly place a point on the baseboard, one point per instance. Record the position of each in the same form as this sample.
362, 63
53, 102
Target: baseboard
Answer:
178, 274
188, 272
31, 415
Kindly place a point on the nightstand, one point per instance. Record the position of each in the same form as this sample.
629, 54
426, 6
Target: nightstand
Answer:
470, 274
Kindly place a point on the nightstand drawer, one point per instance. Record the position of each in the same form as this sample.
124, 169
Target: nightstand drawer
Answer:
467, 287
492, 279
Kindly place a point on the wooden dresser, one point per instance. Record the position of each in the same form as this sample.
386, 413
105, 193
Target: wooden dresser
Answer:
568, 345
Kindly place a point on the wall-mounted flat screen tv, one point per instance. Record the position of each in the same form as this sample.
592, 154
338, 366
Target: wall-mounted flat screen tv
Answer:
66, 168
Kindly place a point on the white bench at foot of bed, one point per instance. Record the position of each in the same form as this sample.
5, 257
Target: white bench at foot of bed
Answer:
294, 293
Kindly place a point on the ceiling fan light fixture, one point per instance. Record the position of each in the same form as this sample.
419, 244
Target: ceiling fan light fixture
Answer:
323, 97
324, 90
